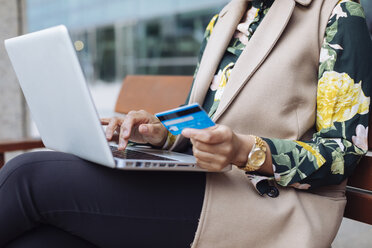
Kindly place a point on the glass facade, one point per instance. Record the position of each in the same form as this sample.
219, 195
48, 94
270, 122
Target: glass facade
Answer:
121, 37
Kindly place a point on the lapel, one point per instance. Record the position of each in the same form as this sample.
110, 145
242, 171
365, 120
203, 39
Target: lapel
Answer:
225, 27
256, 51
252, 57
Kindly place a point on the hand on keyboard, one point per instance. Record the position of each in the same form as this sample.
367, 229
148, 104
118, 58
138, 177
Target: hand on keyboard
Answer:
137, 126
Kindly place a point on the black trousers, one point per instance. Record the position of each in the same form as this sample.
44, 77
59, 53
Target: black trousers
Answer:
51, 199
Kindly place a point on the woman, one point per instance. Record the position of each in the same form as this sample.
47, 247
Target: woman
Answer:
295, 74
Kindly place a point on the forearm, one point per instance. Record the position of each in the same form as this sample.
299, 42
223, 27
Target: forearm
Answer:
342, 108
246, 143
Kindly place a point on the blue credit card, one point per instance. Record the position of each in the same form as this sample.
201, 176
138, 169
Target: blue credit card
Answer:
189, 116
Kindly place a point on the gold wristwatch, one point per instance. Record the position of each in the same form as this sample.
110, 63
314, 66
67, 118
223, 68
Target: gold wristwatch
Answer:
256, 157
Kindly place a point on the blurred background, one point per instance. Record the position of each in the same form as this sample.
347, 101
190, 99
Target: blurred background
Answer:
115, 38
129, 36
120, 37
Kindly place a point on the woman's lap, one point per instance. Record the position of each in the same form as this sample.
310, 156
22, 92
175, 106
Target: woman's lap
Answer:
106, 207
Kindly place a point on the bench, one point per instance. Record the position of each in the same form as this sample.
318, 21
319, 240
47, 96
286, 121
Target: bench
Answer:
150, 89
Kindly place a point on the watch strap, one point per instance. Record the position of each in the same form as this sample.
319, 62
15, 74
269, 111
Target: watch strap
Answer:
259, 144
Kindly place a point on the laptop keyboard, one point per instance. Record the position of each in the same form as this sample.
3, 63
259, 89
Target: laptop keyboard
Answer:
131, 154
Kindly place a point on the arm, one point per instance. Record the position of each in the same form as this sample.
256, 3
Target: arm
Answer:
343, 102
342, 115
218, 146
138, 126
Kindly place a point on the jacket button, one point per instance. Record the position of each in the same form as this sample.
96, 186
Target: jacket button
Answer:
273, 192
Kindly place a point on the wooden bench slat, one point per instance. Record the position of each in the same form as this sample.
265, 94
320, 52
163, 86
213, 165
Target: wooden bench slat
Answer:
16, 145
152, 93
362, 176
2, 159
358, 207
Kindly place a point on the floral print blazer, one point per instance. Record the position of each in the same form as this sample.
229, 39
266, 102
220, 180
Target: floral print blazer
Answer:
343, 100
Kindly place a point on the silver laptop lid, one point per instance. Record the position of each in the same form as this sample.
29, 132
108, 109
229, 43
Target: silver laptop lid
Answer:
55, 89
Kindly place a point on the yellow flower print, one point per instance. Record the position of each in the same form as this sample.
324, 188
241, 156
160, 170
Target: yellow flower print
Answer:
320, 160
223, 80
339, 99
210, 26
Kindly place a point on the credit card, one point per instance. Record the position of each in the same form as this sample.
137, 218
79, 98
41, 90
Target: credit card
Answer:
189, 116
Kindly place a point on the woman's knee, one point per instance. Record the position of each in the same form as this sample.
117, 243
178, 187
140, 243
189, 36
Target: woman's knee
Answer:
39, 171
30, 163
43, 180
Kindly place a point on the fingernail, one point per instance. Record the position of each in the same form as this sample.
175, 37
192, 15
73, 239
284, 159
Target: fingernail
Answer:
121, 146
108, 135
186, 132
144, 129
125, 132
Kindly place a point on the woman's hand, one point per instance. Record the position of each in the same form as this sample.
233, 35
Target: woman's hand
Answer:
137, 126
218, 146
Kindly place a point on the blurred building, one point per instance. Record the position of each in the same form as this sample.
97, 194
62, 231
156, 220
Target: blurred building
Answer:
120, 37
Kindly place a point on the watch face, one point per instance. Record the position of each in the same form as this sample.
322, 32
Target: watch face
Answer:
257, 158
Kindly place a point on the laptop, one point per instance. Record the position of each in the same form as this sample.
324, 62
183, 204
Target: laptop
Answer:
60, 103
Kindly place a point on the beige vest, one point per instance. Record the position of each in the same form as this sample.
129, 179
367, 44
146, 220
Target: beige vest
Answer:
271, 93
